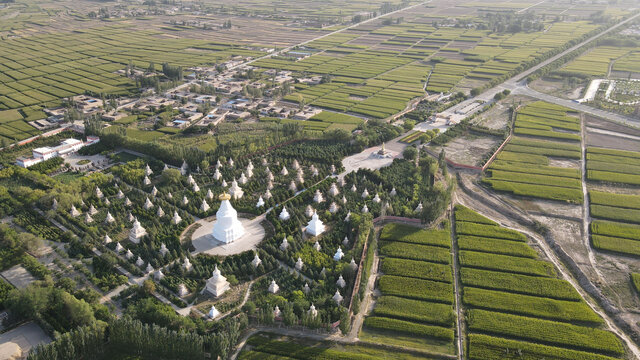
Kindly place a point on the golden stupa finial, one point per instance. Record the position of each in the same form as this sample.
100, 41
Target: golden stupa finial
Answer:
224, 196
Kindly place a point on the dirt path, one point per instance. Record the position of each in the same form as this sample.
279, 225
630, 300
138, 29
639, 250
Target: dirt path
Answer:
368, 303
456, 286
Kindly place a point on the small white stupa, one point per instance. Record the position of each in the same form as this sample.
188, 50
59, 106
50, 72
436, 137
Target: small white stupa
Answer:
137, 232
158, 275
213, 312
270, 185
129, 254
292, 186
184, 168
154, 191
120, 194
139, 262
295, 165
185, 201
317, 246
300, 178
315, 226
209, 194
264, 162
130, 217
393, 192
148, 204
231, 162
284, 214
333, 208
54, 205
267, 194
299, 264
99, 193
217, 175
107, 202
365, 194
107, 239
348, 217
317, 197
92, 210
250, 165
227, 227
337, 297
365, 209
333, 169
147, 181
341, 283
260, 202
353, 264
285, 244
312, 311
187, 264
190, 180
243, 179
216, 284
163, 250
354, 188
149, 269
119, 248
87, 218
333, 191
309, 211
160, 212
276, 312
170, 195
376, 199
204, 207
235, 191
344, 200
218, 164
284, 171
176, 218
147, 170
196, 188
273, 287
74, 212
270, 176
418, 208
345, 241
256, 261
127, 202
338, 255
182, 290
306, 288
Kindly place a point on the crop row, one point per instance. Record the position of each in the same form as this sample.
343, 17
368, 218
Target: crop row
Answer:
520, 284
416, 289
521, 158
535, 169
412, 234
619, 245
417, 269
573, 195
613, 177
415, 310
615, 213
465, 214
410, 328
416, 252
613, 158
618, 200
543, 151
614, 229
545, 331
506, 263
535, 306
491, 231
613, 152
534, 179
485, 347
624, 168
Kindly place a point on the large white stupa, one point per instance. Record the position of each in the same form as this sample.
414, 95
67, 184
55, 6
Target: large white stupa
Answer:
227, 227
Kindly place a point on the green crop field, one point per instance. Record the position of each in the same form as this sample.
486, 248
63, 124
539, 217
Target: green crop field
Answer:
513, 302
522, 167
416, 287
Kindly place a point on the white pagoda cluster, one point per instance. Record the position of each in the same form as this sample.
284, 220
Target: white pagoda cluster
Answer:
227, 227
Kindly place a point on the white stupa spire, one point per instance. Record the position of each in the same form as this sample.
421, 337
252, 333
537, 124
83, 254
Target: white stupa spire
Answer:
338, 255
317, 196
227, 227
341, 283
148, 204
260, 202
160, 212
284, 214
99, 193
273, 287
315, 226
333, 191
337, 297
317, 246
137, 232
299, 264
256, 261
204, 207
285, 244
217, 284
147, 170
146, 180
92, 210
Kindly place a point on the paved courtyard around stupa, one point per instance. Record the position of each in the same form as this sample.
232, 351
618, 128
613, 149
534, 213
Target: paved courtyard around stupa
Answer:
204, 242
